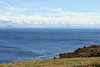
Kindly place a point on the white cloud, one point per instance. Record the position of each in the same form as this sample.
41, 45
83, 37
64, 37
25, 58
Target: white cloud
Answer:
11, 10
59, 17
81, 20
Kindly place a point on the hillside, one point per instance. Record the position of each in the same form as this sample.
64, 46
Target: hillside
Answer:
82, 57
63, 62
91, 51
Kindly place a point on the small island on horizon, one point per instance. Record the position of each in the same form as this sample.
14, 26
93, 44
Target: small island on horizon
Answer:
9, 26
49, 33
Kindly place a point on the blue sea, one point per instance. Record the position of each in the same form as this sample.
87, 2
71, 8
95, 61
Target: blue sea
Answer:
18, 45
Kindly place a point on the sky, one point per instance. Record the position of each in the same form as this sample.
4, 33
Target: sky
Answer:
50, 13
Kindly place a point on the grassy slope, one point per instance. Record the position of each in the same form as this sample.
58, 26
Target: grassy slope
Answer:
91, 51
63, 62
91, 54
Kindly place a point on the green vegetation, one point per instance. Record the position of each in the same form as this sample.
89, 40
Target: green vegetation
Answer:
82, 57
91, 51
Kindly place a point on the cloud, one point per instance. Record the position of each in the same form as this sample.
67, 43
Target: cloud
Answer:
5, 21
79, 20
48, 17
54, 9
11, 10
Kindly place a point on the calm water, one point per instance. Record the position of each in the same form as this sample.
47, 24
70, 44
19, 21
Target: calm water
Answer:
18, 45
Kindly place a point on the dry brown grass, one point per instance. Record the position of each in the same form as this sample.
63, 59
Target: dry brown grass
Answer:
64, 62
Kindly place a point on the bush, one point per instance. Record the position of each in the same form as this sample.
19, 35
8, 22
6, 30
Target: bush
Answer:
84, 47
77, 50
95, 54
